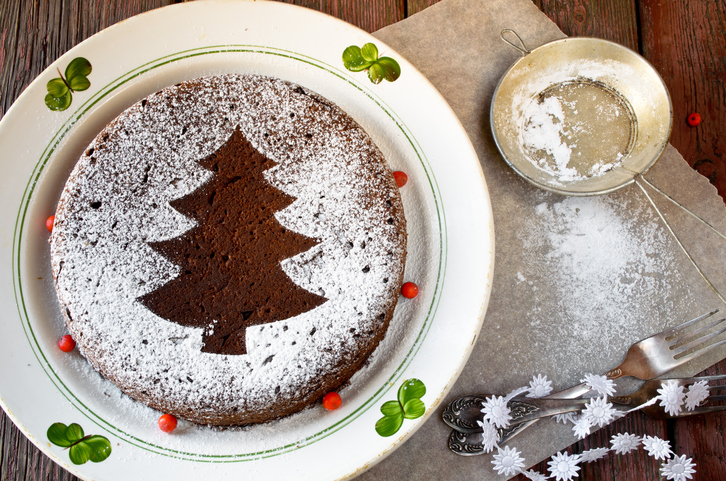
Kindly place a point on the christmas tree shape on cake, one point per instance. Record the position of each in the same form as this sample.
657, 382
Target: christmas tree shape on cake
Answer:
231, 276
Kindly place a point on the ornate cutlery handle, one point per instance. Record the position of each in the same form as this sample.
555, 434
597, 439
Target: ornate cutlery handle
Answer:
463, 413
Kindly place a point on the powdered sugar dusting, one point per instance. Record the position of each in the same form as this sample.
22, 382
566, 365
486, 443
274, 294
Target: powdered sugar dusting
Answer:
599, 254
577, 130
102, 262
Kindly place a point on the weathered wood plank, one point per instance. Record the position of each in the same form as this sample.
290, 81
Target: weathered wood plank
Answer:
9, 26
369, 15
21, 460
33, 34
685, 42
415, 6
704, 435
614, 20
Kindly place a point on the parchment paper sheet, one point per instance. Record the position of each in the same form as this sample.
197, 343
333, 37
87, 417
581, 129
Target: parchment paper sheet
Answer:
562, 303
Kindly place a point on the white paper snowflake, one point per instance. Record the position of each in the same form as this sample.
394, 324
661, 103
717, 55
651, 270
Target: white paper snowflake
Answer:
539, 386
697, 393
671, 397
582, 427
565, 418
624, 443
678, 469
657, 447
489, 435
563, 466
593, 454
496, 411
601, 384
508, 461
598, 411
534, 475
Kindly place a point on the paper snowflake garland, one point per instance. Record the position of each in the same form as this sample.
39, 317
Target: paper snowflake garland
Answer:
657, 447
539, 386
496, 411
490, 435
534, 475
564, 467
671, 397
624, 443
508, 461
601, 384
593, 454
697, 393
598, 411
565, 418
581, 427
678, 469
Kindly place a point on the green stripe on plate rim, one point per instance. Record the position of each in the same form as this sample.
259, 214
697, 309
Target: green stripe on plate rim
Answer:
58, 138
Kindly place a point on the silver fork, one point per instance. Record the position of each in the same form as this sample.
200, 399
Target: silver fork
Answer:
647, 359
649, 390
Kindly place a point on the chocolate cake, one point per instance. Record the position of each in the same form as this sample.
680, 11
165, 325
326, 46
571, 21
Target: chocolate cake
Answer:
229, 249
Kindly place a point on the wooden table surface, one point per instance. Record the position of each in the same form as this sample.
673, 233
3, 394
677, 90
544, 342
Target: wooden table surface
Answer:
685, 42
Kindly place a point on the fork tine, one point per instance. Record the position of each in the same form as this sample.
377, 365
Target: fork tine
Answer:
717, 398
699, 352
678, 328
692, 380
696, 343
700, 410
690, 336
693, 343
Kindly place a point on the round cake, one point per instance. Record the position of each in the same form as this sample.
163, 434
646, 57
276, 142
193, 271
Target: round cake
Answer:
229, 249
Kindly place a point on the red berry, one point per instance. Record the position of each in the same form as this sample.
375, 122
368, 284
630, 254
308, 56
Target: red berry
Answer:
401, 178
66, 343
332, 401
409, 290
694, 119
49, 223
167, 423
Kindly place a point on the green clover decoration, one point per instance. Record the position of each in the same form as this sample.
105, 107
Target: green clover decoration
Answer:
408, 406
60, 90
357, 59
81, 448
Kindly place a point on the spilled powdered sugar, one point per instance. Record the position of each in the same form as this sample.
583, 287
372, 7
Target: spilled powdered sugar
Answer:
609, 267
118, 201
603, 256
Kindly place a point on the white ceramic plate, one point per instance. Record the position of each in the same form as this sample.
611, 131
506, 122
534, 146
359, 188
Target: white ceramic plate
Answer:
451, 244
